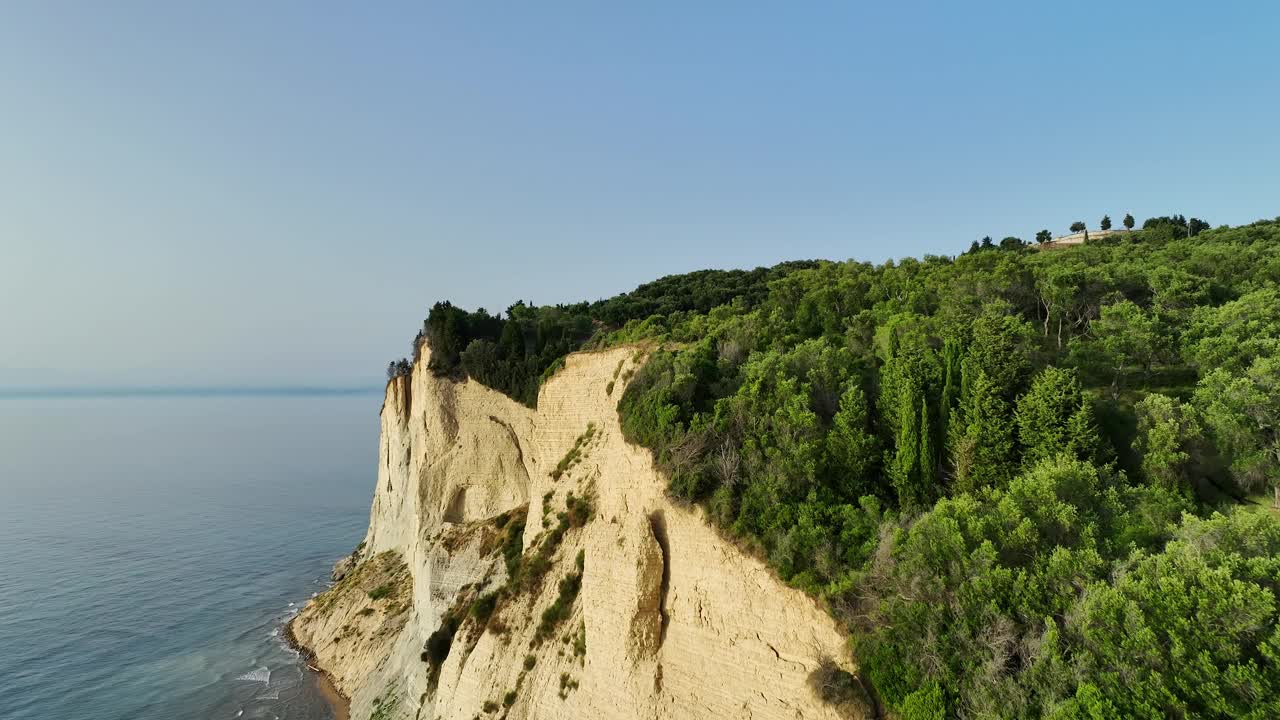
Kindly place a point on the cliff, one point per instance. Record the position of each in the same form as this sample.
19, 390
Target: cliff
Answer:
611, 602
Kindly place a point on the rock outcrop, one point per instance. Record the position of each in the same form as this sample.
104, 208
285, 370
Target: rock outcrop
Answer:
625, 606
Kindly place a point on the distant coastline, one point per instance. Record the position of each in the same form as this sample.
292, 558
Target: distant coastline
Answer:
14, 393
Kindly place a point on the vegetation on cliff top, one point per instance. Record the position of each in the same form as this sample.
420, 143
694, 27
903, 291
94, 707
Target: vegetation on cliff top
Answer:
513, 353
1020, 478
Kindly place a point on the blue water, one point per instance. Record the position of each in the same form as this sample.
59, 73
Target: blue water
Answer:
151, 546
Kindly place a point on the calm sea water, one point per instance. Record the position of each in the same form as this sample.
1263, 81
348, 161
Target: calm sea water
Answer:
150, 548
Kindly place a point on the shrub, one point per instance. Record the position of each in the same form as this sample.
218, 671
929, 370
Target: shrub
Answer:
559, 610
841, 688
482, 609
578, 510
381, 591
440, 642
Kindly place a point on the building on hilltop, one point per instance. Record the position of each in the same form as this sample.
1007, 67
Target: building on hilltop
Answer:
1080, 238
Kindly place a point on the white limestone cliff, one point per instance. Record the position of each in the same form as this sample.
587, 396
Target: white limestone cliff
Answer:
672, 621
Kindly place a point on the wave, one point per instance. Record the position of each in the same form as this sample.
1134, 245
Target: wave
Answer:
262, 675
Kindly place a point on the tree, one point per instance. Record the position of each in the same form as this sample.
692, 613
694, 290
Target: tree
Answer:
1123, 335
1168, 432
1106, 222
399, 368
952, 361
851, 447
1045, 417
1043, 236
1000, 347
1128, 221
928, 456
1233, 334
1195, 226
986, 243
1012, 243
1077, 226
904, 467
1191, 627
1243, 411
983, 451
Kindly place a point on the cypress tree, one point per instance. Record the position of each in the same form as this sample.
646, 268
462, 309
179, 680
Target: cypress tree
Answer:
928, 460
905, 468
950, 382
851, 448
990, 432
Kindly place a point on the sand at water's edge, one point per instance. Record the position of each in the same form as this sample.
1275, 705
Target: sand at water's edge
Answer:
338, 702
340, 705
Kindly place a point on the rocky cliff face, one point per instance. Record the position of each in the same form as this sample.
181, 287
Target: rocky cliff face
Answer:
634, 608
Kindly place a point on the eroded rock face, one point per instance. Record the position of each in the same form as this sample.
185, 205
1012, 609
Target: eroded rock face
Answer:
670, 620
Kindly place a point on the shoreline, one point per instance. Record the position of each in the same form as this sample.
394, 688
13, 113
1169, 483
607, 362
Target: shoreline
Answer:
339, 703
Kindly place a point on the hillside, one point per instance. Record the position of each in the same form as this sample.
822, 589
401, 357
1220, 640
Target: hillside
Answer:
1015, 482
527, 564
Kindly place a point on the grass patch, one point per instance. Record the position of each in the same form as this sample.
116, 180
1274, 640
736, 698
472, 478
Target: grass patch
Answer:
482, 609
576, 453
559, 610
567, 685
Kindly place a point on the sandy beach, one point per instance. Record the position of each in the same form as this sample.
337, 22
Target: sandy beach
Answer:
340, 704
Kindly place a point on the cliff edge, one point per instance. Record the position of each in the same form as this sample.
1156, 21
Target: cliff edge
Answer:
526, 563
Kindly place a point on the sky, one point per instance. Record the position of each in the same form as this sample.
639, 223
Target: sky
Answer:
267, 193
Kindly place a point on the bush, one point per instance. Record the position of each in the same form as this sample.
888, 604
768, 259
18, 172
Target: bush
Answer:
381, 591
440, 642
927, 703
559, 610
840, 688
482, 609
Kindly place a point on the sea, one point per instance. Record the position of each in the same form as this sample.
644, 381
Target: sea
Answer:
153, 543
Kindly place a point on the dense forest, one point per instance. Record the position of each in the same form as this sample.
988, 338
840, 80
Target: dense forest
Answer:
1030, 483
516, 352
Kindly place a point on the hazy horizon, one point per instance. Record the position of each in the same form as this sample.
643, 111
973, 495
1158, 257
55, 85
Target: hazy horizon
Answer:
246, 195
24, 392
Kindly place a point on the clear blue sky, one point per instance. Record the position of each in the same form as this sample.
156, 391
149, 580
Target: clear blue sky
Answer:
265, 192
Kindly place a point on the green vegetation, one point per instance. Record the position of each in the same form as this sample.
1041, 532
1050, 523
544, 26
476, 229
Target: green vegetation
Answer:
385, 705
441, 641
1017, 477
575, 454
842, 689
515, 352
567, 685
559, 610
482, 609
383, 577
